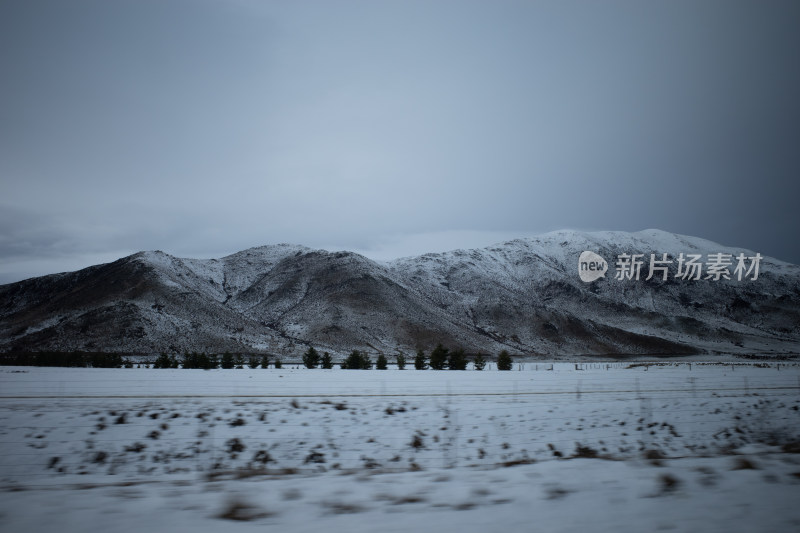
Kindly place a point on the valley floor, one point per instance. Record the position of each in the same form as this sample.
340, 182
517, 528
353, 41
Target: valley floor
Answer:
589, 447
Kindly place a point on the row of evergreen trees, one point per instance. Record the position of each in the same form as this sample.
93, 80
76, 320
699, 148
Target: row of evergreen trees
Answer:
210, 361
63, 359
441, 358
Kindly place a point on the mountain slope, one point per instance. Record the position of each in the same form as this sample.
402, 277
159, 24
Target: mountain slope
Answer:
524, 296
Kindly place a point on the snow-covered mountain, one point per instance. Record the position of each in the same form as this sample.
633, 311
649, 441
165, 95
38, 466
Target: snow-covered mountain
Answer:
523, 295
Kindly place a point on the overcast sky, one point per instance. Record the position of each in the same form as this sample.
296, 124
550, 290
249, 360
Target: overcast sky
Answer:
203, 127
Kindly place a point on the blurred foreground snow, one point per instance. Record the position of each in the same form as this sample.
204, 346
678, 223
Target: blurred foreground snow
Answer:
598, 448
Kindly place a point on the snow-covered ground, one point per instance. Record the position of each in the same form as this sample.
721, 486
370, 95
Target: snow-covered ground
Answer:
587, 447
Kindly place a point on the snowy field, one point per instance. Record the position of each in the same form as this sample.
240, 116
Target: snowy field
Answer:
563, 447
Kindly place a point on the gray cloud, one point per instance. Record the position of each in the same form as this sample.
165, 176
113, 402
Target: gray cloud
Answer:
201, 128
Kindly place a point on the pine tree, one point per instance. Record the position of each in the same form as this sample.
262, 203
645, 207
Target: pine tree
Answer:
162, 361
439, 357
381, 363
264, 361
401, 361
419, 360
480, 362
278, 363
227, 360
504, 361
366, 362
199, 360
311, 358
326, 360
352, 362
457, 360
357, 361
344, 364
253, 362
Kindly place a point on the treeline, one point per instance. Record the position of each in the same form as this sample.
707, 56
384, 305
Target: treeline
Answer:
72, 359
210, 361
440, 358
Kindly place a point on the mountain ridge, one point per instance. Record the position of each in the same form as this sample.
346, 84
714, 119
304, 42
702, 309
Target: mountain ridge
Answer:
523, 295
